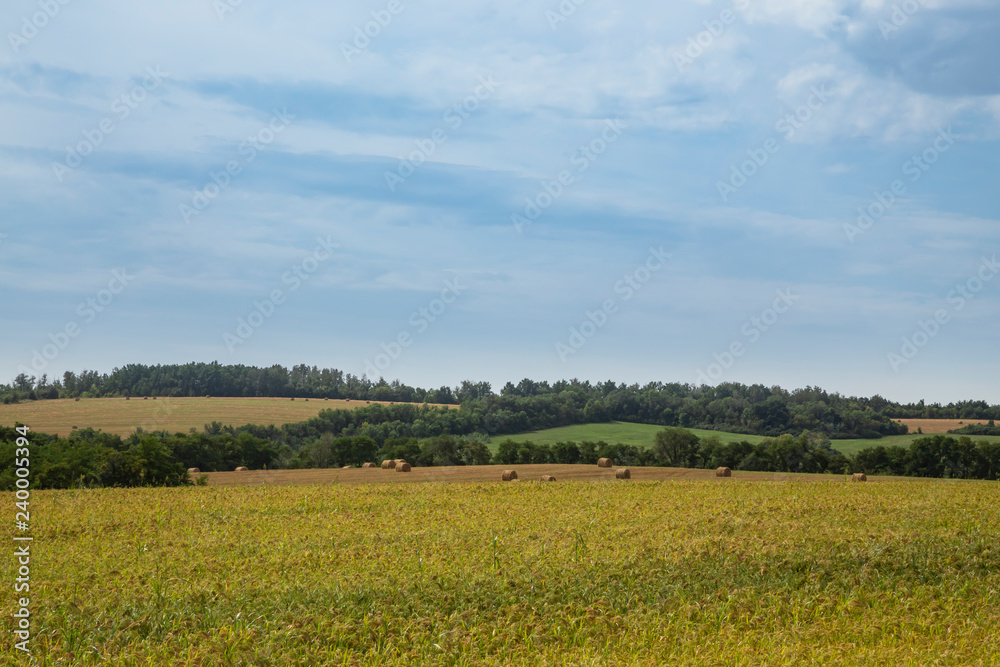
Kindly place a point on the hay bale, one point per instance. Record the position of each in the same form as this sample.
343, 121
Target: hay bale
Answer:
604, 463
243, 469
508, 475
346, 467
859, 477
369, 465
403, 467
145, 398
77, 400
194, 471
548, 478
75, 427
623, 473
208, 396
388, 464
398, 461
154, 398
723, 472
293, 398
126, 398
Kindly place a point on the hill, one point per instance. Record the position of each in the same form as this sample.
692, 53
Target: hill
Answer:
122, 417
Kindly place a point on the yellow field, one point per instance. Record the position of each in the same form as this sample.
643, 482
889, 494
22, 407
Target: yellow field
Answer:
117, 415
568, 573
938, 425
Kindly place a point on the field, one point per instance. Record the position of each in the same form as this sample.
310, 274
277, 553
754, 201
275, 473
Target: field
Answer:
627, 433
489, 473
704, 572
642, 435
939, 425
116, 415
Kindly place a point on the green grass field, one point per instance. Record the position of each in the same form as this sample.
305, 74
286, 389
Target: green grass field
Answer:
570, 573
642, 435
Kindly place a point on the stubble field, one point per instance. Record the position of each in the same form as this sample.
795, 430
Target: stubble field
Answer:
116, 415
686, 572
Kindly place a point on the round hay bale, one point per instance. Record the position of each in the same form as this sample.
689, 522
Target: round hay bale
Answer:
145, 398
194, 471
388, 464
243, 469
403, 467
723, 472
548, 478
154, 398
75, 427
398, 461
604, 463
859, 477
508, 475
208, 396
346, 467
293, 398
126, 398
77, 400
623, 473
369, 465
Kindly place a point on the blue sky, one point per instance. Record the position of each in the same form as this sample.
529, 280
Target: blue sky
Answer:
499, 190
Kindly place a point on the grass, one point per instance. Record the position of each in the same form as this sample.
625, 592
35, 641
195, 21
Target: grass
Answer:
627, 433
642, 435
638, 573
116, 415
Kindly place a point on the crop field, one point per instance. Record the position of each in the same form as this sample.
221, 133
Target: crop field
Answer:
687, 572
491, 473
117, 415
939, 425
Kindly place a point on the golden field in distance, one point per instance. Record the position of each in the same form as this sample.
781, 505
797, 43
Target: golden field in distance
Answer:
938, 425
120, 416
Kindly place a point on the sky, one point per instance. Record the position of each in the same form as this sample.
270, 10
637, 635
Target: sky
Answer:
782, 192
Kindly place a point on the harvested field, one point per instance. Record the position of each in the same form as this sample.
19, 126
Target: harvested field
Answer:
116, 415
492, 473
938, 425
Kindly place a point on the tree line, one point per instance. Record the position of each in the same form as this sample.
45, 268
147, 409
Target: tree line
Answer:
529, 405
